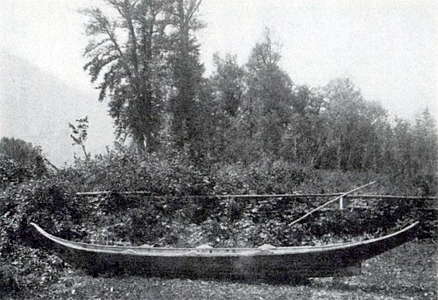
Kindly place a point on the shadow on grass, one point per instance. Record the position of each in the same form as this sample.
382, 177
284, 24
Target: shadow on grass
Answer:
271, 280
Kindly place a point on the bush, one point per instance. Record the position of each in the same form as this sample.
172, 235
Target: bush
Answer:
177, 220
8, 281
33, 269
268, 177
19, 161
49, 203
124, 170
11, 173
426, 184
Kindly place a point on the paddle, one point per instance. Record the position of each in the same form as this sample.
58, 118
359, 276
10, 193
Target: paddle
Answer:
331, 201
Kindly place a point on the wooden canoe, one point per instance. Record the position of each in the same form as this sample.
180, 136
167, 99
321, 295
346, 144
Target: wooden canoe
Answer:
343, 259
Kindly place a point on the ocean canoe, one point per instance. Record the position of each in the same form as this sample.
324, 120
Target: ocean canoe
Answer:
342, 259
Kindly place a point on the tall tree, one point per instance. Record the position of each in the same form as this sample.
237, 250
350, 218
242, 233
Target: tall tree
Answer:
375, 138
228, 88
186, 76
126, 57
403, 147
345, 113
425, 148
267, 106
305, 136
228, 82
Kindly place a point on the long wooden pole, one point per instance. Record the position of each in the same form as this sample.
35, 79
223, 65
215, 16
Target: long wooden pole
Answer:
331, 201
366, 196
148, 194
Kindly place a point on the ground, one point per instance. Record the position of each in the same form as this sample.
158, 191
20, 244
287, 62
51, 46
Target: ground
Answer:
407, 272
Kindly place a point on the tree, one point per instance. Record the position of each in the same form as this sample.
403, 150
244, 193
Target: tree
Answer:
18, 150
24, 155
227, 85
425, 147
79, 134
305, 136
187, 78
228, 82
267, 104
126, 57
345, 113
376, 138
402, 147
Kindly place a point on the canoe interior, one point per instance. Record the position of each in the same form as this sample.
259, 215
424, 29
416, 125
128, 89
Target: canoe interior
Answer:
343, 259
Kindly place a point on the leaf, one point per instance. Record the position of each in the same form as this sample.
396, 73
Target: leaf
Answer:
76, 140
71, 126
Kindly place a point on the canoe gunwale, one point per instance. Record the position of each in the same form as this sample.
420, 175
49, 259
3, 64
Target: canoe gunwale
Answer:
216, 252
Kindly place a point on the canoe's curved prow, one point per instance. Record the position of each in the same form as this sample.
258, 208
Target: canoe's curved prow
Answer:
44, 233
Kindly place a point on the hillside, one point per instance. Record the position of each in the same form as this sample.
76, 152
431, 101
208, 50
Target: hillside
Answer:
36, 107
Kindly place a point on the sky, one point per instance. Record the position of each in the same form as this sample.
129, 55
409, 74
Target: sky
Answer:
388, 48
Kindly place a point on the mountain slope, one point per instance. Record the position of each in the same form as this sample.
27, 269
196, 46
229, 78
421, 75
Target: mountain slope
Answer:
37, 107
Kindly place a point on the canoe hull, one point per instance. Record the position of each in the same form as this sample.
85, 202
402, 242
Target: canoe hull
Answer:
253, 267
282, 262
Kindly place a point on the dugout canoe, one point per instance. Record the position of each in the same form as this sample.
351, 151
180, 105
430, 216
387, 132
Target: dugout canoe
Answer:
342, 259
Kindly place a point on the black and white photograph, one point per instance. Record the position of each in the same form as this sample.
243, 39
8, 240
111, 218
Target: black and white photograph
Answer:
217, 149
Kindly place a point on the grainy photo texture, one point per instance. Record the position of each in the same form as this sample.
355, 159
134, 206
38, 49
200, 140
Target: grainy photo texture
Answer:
208, 149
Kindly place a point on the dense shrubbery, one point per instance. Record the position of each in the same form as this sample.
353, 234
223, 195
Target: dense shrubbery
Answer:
19, 161
125, 170
176, 220
173, 175
50, 203
8, 280
12, 173
158, 218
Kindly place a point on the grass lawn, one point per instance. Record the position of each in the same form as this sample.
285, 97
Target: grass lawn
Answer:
407, 272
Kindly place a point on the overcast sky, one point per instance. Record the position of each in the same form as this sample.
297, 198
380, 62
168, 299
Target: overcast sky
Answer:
388, 48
